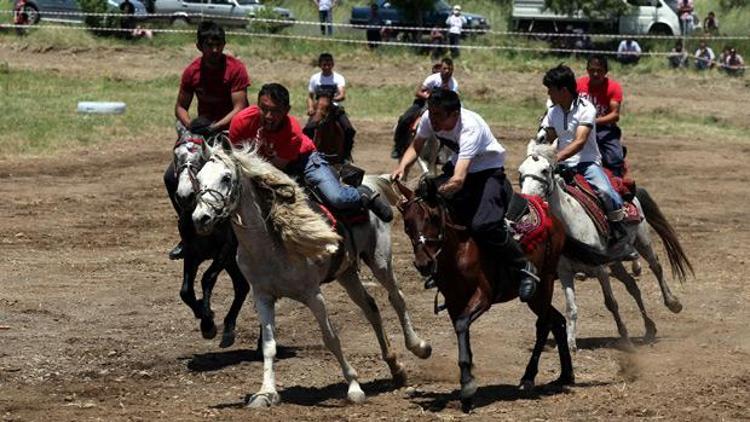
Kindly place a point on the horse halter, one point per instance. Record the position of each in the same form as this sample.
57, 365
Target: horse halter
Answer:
222, 205
548, 182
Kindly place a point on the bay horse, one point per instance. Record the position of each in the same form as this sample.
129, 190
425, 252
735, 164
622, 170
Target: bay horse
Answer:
587, 252
287, 250
328, 135
472, 283
220, 246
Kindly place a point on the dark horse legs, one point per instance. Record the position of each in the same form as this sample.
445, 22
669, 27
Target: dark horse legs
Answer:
549, 320
468, 385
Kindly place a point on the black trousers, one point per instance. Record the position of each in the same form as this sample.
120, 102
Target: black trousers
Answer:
608, 140
454, 40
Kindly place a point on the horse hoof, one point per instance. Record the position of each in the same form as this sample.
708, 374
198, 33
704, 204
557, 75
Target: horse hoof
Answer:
263, 400
399, 376
636, 267
572, 347
467, 405
526, 385
356, 396
423, 351
208, 329
650, 336
626, 345
468, 390
227, 339
675, 306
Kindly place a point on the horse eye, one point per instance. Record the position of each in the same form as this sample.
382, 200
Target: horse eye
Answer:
226, 179
545, 172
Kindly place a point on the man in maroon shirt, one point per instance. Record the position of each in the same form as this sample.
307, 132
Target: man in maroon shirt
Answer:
220, 83
606, 95
279, 139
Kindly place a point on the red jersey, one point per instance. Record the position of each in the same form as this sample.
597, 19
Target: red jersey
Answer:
600, 96
287, 143
214, 87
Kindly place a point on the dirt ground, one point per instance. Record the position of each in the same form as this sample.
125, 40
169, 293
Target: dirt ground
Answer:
92, 327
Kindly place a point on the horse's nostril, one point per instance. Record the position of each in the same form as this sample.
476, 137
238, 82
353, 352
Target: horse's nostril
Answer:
204, 219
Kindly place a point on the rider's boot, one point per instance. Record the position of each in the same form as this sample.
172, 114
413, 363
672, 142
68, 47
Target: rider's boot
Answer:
177, 252
618, 232
511, 254
375, 203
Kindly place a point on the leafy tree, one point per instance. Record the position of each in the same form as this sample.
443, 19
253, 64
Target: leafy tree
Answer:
588, 7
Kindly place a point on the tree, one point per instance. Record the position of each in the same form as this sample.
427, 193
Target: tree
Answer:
587, 7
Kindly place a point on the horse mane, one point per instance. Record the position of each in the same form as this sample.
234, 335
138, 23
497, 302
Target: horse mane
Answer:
303, 232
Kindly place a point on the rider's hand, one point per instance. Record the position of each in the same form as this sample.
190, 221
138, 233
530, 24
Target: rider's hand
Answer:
450, 187
398, 174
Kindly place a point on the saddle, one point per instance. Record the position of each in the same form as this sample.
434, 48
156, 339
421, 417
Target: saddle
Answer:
528, 220
581, 190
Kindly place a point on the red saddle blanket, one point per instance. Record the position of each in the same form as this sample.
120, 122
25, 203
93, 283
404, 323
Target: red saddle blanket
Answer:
582, 191
532, 227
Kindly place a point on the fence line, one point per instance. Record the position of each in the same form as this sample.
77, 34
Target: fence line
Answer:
393, 27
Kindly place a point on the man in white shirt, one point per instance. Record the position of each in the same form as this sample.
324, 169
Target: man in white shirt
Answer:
704, 57
455, 23
330, 84
572, 121
325, 13
442, 79
628, 52
474, 180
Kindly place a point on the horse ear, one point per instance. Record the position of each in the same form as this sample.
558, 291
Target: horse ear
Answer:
226, 145
554, 145
530, 147
407, 193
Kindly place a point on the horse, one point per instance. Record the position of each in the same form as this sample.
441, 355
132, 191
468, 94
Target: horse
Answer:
328, 135
288, 250
190, 154
587, 252
471, 283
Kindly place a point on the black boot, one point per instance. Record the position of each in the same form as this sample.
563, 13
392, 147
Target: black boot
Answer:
511, 254
375, 203
177, 252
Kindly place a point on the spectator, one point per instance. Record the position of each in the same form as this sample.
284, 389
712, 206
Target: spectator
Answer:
127, 20
734, 63
375, 27
628, 52
325, 14
455, 23
704, 57
678, 58
436, 39
711, 24
685, 11
722, 60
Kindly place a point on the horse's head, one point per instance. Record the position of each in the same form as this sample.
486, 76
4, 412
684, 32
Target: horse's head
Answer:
537, 170
217, 189
189, 154
424, 223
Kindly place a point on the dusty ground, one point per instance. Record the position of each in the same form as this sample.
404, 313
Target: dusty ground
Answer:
92, 327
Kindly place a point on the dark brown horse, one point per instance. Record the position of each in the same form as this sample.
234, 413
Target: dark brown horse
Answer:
471, 283
328, 135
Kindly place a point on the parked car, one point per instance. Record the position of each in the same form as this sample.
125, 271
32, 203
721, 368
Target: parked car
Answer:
66, 10
436, 17
225, 12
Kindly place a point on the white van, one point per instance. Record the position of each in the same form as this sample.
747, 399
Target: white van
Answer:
641, 17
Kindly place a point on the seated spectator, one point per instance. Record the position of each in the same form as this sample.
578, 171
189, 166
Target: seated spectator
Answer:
628, 52
734, 64
711, 24
678, 58
704, 57
722, 60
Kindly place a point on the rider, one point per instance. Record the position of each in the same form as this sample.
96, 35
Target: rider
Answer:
572, 121
476, 180
330, 83
281, 141
442, 79
606, 95
220, 83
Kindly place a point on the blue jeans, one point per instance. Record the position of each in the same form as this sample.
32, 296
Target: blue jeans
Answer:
326, 21
594, 174
319, 176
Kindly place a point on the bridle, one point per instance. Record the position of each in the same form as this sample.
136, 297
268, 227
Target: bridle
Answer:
547, 182
421, 241
222, 205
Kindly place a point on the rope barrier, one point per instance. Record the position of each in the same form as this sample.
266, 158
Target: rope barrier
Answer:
392, 27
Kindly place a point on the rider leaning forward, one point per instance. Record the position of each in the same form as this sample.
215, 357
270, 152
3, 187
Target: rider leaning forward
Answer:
279, 139
475, 180
572, 121
220, 82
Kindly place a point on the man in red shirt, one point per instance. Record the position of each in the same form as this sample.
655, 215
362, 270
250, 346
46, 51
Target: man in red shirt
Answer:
220, 83
280, 140
606, 95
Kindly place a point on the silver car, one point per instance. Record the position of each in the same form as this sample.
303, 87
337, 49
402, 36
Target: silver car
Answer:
67, 10
224, 12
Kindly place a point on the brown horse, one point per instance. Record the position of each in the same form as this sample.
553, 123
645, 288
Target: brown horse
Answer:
471, 283
328, 135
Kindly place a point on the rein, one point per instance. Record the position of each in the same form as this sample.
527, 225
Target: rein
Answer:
222, 205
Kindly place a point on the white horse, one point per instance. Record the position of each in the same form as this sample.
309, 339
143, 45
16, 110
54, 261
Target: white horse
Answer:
288, 250
587, 252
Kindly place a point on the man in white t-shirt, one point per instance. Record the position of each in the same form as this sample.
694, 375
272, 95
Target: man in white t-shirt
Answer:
330, 84
325, 13
628, 52
442, 79
455, 23
474, 180
572, 121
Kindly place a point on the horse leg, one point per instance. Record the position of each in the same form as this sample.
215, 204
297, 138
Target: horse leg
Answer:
382, 269
317, 305
643, 246
267, 395
468, 385
187, 291
567, 276
208, 281
557, 325
532, 368
619, 272
611, 303
241, 289
353, 285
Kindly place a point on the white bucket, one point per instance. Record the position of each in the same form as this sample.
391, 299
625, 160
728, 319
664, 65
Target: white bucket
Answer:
101, 107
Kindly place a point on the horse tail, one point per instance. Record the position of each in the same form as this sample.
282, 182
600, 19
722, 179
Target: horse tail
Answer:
382, 185
678, 260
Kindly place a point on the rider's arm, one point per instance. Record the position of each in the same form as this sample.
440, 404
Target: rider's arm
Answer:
612, 117
239, 102
340, 94
184, 98
582, 134
310, 103
410, 156
422, 92
456, 182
